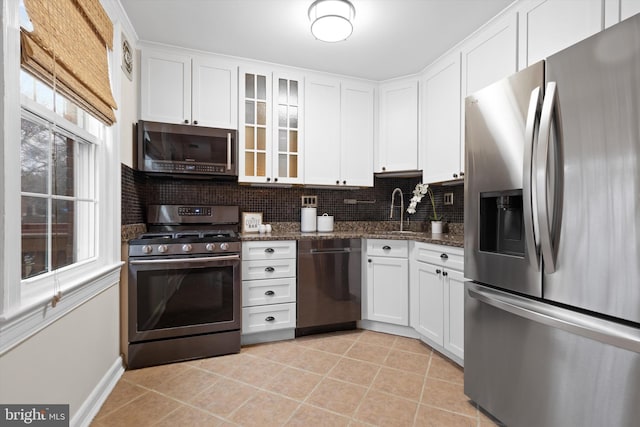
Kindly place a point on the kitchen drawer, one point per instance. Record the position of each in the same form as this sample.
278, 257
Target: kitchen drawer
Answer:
445, 256
268, 317
269, 291
272, 249
268, 269
388, 248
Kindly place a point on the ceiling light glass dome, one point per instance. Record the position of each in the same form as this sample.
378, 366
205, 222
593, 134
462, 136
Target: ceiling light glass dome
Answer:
331, 19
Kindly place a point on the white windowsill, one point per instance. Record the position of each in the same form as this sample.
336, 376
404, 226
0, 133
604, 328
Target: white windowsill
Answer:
18, 325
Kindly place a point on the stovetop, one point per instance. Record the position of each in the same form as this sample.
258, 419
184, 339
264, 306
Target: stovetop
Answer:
185, 243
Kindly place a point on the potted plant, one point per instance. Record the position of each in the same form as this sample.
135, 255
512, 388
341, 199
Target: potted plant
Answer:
418, 193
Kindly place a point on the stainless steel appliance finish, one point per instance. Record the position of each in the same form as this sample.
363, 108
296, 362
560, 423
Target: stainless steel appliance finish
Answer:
329, 284
552, 238
533, 364
184, 286
187, 151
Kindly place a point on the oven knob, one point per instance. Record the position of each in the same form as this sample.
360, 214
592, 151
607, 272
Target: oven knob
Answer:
224, 246
146, 249
163, 248
210, 247
187, 248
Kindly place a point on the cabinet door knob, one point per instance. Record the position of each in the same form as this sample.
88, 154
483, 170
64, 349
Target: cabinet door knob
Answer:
186, 121
455, 175
384, 169
444, 256
344, 182
269, 318
269, 269
461, 173
386, 248
275, 179
268, 179
438, 271
269, 293
369, 260
444, 273
195, 122
337, 181
269, 250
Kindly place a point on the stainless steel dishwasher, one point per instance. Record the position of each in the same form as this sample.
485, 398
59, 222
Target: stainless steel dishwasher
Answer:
329, 285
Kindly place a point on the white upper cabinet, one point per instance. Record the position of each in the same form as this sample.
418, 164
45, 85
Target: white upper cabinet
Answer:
165, 80
322, 121
398, 143
270, 131
188, 89
214, 100
357, 129
339, 132
490, 54
441, 147
548, 26
628, 8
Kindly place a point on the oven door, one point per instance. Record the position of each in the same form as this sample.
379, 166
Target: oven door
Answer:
177, 297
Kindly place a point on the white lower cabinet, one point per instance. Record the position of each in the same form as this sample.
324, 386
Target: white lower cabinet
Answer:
387, 278
437, 297
268, 290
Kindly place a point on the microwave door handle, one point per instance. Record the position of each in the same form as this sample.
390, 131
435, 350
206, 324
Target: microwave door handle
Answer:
228, 151
549, 118
528, 183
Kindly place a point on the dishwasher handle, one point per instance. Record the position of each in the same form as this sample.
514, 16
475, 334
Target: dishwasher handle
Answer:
331, 251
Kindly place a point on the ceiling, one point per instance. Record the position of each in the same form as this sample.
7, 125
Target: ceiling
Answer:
391, 38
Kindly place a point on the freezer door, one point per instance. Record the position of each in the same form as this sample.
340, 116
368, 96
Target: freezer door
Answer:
531, 364
501, 124
597, 242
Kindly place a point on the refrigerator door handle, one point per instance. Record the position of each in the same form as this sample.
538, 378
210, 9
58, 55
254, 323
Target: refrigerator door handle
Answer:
577, 323
548, 116
528, 183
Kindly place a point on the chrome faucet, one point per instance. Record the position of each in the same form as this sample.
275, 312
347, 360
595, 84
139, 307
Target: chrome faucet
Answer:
393, 198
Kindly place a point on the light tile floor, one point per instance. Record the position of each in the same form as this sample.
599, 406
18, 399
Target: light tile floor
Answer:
354, 378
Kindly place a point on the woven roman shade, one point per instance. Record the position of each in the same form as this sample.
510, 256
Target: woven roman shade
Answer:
69, 43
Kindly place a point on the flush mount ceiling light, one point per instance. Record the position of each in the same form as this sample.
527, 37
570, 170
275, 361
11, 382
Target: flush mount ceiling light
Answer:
331, 19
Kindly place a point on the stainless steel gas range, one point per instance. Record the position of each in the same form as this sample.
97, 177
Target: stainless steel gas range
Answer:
184, 285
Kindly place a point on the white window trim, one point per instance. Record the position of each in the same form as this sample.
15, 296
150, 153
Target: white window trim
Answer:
22, 313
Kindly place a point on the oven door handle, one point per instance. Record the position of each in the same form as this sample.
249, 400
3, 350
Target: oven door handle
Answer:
187, 260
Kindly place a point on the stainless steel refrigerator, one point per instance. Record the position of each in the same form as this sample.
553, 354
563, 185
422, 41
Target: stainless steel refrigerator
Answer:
552, 238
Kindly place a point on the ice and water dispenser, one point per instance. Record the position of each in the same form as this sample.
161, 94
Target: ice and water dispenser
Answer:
502, 223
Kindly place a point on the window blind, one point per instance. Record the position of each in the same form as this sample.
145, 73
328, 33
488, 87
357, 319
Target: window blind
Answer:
69, 44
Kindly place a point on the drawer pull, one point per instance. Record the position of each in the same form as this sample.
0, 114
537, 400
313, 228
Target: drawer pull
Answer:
438, 271
269, 250
269, 293
269, 269
444, 256
444, 273
386, 248
269, 319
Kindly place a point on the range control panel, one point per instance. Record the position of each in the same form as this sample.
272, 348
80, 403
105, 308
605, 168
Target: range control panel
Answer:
194, 211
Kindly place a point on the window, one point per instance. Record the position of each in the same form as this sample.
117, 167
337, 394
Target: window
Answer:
57, 198
58, 194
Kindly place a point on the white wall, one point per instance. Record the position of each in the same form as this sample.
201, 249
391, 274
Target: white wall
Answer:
66, 361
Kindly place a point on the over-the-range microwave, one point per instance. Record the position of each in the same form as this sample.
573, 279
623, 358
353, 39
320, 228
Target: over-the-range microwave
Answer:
186, 150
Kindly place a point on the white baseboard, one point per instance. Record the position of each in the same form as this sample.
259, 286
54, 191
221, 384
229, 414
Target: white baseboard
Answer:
388, 328
268, 336
98, 396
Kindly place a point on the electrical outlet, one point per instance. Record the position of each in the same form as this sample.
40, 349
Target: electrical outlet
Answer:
448, 198
309, 201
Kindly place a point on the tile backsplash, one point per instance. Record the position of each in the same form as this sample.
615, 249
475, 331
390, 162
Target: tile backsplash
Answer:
279, 204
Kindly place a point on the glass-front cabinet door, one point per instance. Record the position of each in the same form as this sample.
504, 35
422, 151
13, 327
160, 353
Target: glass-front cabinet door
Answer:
255, 124
270, 149
287, 165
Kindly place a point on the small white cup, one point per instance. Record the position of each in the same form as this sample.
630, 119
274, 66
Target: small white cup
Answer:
268, 228
262, 228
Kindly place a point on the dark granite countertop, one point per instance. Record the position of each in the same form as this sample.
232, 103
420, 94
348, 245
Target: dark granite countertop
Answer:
456, 240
